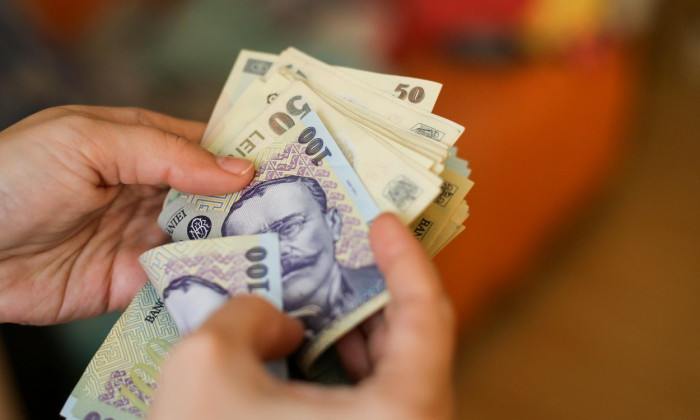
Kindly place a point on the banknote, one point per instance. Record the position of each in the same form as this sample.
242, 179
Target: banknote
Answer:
306, 191
381, 106
428, 226
457, 164
191, 278
452, 228
394, 184
120, 380
251, 65
260, 94
194, 278
332, 147
234, 102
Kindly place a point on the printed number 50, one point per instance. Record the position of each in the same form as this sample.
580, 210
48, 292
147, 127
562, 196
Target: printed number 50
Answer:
415, 95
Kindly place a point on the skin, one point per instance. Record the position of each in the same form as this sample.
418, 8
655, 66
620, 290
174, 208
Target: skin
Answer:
190, 309
80, 193
218, 372
309, 236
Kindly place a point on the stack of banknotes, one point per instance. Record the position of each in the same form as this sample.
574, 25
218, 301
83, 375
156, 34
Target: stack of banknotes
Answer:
332, 148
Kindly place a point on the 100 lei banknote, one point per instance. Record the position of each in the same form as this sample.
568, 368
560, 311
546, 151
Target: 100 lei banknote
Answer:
188, 281
305, 191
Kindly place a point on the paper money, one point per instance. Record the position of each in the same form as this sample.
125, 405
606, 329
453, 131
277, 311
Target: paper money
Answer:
332, 148
120, 380
456, 164
194, 278
378, 106
122, 377
305, 190
377, 166
251, 65
428, 226
450, 231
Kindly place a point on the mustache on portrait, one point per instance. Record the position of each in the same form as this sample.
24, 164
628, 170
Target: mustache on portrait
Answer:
292, 262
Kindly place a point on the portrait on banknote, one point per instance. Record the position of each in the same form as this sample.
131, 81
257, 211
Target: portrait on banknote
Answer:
316, 287
191, 299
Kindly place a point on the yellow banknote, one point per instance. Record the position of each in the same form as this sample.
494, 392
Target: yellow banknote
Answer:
428, 226
381, 171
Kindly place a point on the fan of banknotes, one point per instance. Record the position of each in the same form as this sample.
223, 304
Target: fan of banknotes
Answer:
332, 148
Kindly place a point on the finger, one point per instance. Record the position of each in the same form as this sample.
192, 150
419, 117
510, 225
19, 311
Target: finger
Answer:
191, 130
419, 320
353, 353
220, 368
362, 346
131, 154
250, 324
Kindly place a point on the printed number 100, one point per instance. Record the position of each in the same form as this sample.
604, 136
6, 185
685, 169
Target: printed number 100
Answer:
314, 146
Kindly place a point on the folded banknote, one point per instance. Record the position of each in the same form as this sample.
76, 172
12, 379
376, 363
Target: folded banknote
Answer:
305, 191
332, 148
188, 281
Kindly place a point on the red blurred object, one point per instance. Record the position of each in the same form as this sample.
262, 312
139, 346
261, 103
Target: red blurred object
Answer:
430, 22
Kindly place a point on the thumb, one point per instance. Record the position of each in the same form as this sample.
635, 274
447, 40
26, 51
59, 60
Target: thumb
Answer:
248, 323
220, 365
419, 317
139, 154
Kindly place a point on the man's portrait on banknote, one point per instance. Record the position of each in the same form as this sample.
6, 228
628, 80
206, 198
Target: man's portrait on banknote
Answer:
316, 287
191, 299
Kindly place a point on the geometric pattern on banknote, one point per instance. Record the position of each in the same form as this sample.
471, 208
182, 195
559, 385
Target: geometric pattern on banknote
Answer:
221, 203
117, 380
352, 250
204, 259
226, 270
207, 203
125, 346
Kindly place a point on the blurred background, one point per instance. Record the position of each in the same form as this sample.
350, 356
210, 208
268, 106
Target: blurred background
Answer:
578, 275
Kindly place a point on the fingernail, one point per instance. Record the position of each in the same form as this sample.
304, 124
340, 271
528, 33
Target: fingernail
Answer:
234, 165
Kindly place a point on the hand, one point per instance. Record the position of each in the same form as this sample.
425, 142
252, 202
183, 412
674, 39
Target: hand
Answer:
80, 191
218, 371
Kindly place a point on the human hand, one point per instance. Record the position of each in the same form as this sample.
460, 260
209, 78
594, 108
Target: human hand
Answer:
80, 191
218, 371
